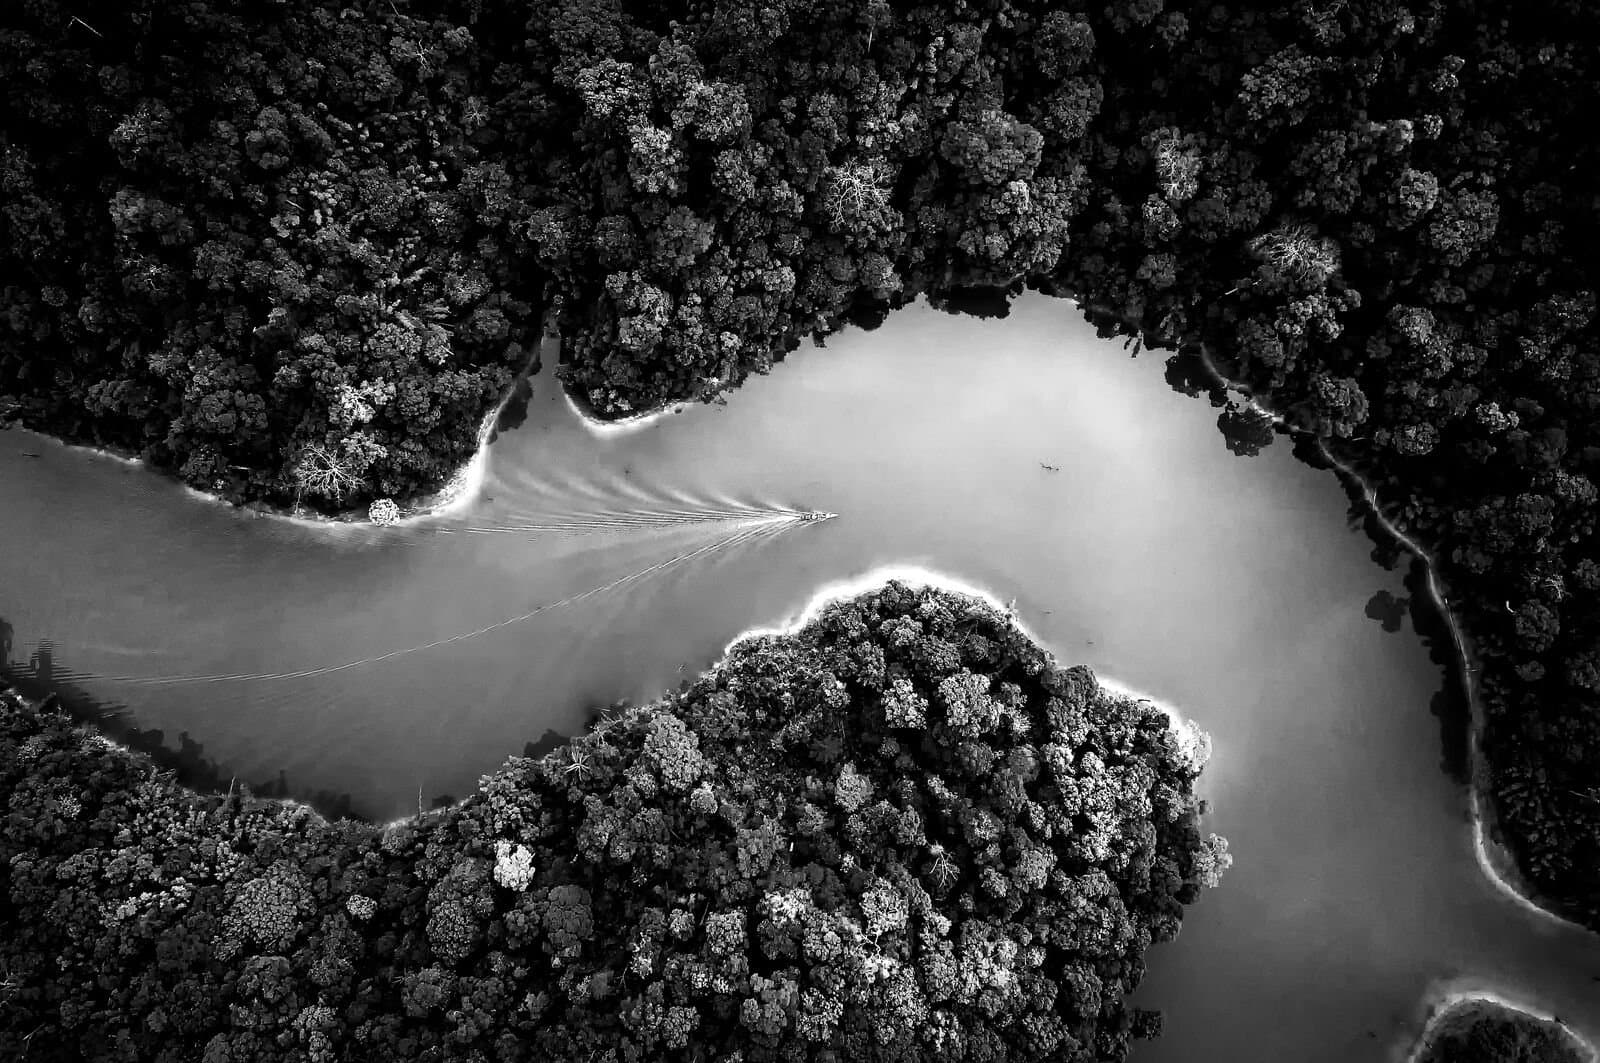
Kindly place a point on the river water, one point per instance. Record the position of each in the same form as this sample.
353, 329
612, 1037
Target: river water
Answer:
1236, 589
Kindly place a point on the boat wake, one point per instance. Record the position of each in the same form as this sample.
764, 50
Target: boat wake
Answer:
754, 529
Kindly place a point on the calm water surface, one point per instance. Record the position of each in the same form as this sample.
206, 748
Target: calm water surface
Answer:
1233, 588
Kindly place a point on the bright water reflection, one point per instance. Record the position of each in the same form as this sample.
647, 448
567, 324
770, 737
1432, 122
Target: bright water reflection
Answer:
1232, 588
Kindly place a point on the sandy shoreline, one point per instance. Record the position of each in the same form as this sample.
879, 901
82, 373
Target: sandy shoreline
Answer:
1437, 1002
622, 426
457, 493
1461, 992
1493, 859
1192, 740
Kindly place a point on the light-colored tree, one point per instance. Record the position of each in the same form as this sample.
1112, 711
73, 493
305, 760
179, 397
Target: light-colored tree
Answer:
853, 196
1297, 253
1177, 169
384, 512
324, 472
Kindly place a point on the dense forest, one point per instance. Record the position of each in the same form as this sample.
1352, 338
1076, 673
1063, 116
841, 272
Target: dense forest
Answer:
1478, 1031
261, 244
292, 250
900, 833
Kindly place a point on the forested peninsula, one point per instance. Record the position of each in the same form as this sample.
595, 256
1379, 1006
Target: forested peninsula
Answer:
293, 251
1475, 1030
900, 832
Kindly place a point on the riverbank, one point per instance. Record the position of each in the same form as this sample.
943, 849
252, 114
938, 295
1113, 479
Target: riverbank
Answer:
552, 849
1494, 859
195, 771
14, 699
1492, 855
1455, 1011
1194, 742
602, 427
43, 681
457, 493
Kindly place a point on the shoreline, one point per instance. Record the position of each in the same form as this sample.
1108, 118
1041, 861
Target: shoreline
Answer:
459, 491
1492, 856
1192, 740
622, 426
1443, 1000
1494, 859
14, 699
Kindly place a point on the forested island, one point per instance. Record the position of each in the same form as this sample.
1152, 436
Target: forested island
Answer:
292, 252
899, 832
1482, 1031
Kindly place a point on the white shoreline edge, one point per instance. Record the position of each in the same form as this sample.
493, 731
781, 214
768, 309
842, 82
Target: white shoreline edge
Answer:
457, 493
1438, 1000
622, 426
1192, 741
464, 487
1458, 992
1500, 872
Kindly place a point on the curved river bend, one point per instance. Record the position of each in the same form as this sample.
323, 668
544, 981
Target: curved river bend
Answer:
598, 566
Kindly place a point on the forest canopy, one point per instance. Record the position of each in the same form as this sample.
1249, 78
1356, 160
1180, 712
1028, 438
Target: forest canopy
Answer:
902, 832
1480, 1031
292, 251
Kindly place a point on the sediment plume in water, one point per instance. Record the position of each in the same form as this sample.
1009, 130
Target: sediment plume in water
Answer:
764, 528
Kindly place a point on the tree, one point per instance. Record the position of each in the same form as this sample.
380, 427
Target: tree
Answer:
742, 868
326, 472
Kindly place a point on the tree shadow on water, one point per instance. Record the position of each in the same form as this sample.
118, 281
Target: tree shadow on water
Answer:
43, 679
1449, 704
595, 712
978, 302
1388, 610
869, 314
515, 412
1187, 374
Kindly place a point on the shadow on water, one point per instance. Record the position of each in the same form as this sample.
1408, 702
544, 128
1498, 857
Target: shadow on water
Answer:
548, 742
868, 314
515, 411
1244, 435
595, 713
44, 679
1246, 430
1188, 375
1450, 704
976, 302
552, 739
1388, 610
